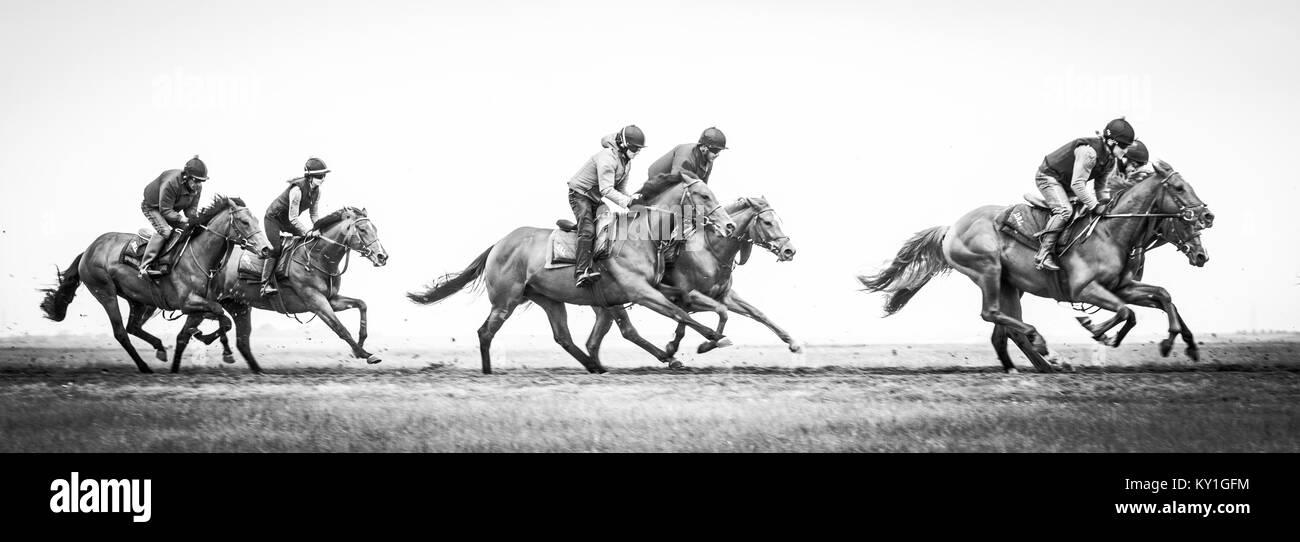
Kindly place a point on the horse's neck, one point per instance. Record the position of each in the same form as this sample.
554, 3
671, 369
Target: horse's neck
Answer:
1137, 200
724, 248
338, 234
206, 248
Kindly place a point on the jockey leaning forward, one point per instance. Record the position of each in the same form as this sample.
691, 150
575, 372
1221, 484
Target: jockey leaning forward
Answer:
170, 203
603, 176
302, 194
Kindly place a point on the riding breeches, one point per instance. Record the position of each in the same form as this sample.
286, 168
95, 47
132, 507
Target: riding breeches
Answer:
584, 211
271, 227
1057, 199
156, 220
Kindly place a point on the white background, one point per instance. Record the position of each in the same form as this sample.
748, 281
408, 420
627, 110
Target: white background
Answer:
862, 122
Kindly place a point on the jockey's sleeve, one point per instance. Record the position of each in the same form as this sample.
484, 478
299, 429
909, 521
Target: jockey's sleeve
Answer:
167, 199
606, 175
1084, 160
314, 212
295, 201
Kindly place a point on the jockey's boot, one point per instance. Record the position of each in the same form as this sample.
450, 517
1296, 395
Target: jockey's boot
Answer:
151, 251
1046, 259
268, 272
586, 276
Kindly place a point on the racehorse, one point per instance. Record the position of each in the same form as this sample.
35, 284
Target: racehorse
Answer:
701, 280
514, 269
208, 241
315, 268
1093, 272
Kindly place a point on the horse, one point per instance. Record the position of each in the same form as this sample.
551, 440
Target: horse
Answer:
315, 268
701, 280
514, 269
1093, 272
208, 241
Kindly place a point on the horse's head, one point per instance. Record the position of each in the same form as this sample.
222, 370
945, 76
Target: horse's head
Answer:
229, 217
352, 228
1178, 197
686, 190
1186, 237
764, 230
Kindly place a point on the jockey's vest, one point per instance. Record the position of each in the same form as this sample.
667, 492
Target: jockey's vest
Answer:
279, 209
1060, 162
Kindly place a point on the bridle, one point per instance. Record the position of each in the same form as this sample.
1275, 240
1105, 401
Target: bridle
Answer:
352, 231
770, 243
1185, 211
242, 239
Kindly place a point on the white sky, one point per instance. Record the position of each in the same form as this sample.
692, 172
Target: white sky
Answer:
453, 123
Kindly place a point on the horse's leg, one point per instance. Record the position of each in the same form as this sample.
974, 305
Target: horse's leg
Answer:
694, 299
191, 327
559, 317
324, 310
648, 297
999, 340
107, 296
139, 314
673, 345
598, 332
989, 280
1193, 351
630, 333
1010, 305
243, 315
500, 312
1147, 295
342, 303
744, 308
1095, 294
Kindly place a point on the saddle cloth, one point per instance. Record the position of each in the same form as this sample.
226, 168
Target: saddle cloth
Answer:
1025, 221
133, 251
562, 245
250, 265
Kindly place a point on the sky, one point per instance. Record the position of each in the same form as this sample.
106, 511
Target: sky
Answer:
453, 123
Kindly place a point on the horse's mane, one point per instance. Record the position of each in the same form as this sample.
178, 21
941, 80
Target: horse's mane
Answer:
336, 217
659, 184
219, 204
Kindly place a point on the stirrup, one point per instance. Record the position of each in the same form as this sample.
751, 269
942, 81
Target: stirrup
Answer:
1045, 262
267, 289
587, 278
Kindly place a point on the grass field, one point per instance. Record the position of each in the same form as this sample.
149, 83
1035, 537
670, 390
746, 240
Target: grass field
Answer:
70, 397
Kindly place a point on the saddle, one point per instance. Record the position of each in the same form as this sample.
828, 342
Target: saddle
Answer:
250, 264
133, 250
562, 244
1024, 222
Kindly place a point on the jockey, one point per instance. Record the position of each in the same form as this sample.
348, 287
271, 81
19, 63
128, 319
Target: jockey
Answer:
603, 176
696, 158
170, 202
1074, 169
302, 194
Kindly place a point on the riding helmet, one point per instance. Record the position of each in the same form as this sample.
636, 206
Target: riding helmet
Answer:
713, 138
1121, 131
631, 136
1137, 153
315, 167
196, 169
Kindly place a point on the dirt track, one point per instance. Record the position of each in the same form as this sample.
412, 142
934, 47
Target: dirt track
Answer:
931, 398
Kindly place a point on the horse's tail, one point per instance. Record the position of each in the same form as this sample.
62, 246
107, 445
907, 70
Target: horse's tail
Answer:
57, 298
452, 282
920, 260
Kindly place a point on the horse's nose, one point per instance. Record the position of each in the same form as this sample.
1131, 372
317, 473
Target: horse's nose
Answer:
1209, 219
266, 252
787, 253
1199, 258
731, 228
382, 257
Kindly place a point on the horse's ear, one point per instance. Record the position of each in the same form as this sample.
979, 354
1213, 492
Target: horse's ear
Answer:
363, 212
745, 251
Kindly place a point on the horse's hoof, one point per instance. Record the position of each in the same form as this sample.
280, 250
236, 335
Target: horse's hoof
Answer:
161, 355
1194, 353
1165, 346
706, 346
723, 342
228, 358
796, 347
674, 364
373, 359
1012, 371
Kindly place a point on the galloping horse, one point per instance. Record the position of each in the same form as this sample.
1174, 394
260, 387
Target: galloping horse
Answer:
314, 270
514, 270
701, 280
208, 242
1093, 271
